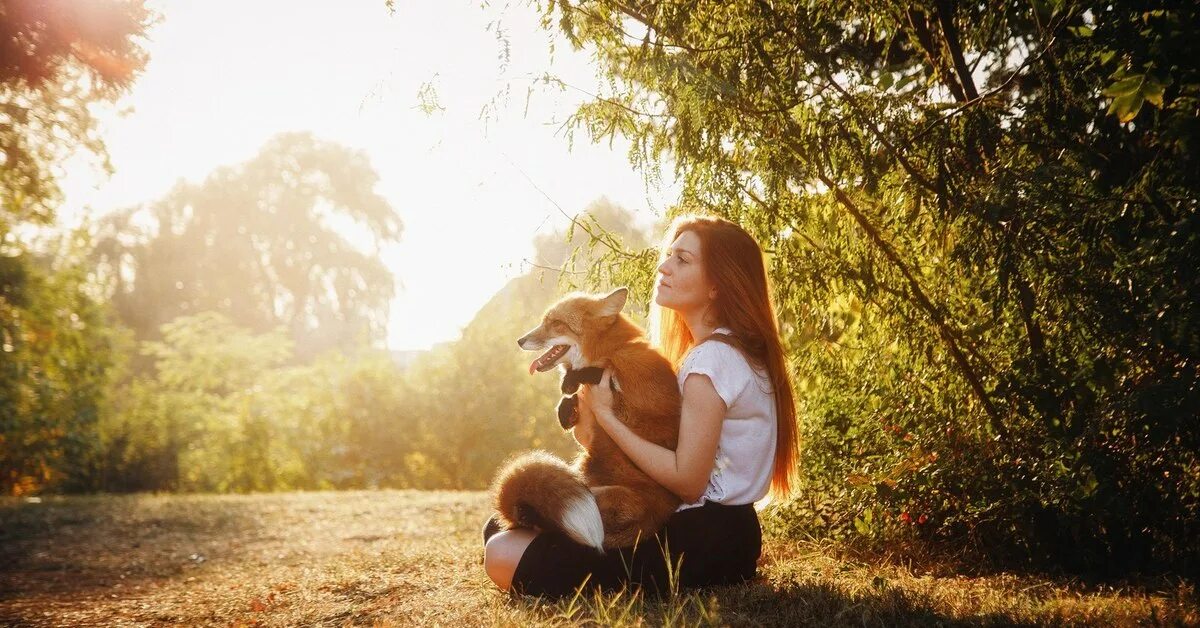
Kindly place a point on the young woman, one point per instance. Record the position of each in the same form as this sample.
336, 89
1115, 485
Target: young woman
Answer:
714, 320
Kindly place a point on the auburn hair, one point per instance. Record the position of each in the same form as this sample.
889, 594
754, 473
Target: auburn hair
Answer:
733, 261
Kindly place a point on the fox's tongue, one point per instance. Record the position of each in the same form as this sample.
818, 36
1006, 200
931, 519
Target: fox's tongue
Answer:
547, 358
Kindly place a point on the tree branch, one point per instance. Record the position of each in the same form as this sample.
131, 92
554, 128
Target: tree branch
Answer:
604, 237
924, 40
945, 15
947, 334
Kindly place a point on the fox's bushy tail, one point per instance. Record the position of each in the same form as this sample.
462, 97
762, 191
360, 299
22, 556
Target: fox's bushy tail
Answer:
538, 489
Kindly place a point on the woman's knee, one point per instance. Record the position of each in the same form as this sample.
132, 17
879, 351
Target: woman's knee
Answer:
502, 553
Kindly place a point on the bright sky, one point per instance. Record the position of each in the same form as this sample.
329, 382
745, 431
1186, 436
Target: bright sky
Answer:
226, 75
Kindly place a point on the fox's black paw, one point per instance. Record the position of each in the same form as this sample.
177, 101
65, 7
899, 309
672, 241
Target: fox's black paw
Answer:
573, 378
568, 412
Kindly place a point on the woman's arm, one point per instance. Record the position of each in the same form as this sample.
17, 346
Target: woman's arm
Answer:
686, 470
585, 426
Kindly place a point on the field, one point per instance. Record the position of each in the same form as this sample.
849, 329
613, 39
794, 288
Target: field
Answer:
412, 557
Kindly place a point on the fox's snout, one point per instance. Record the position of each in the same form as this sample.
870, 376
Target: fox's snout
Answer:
532, 340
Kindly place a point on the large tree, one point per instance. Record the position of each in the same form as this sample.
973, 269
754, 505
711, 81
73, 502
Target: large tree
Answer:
289, 238
983, 229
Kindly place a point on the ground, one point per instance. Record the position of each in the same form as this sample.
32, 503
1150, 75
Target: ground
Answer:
414, 557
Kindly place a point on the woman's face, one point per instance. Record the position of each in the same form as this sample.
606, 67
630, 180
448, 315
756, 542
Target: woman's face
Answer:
682, 284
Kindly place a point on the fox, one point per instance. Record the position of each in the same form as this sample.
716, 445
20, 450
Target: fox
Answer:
601, 499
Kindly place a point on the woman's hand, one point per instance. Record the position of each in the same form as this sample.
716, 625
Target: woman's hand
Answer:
585, 422
597, 399
685, 470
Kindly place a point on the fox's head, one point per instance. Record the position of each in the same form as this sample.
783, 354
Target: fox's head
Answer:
570, 327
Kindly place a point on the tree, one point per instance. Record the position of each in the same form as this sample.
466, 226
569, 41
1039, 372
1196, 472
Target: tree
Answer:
191, 426
582, 255
58, 59
59, 352
981, 221
289, 238
224, 409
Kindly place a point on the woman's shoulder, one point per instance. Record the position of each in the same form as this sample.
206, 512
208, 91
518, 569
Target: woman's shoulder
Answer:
716, 355
713, 348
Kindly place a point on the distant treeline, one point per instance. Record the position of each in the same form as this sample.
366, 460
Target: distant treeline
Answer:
253, 392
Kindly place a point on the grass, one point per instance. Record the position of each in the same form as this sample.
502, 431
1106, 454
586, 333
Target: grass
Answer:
414, 557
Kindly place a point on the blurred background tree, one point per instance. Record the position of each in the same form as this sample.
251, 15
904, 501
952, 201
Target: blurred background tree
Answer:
223, 407
57, 58
265, 243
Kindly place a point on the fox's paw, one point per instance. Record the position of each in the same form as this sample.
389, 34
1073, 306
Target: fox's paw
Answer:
568, 412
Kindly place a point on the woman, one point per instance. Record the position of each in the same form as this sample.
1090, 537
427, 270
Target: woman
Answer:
737, 431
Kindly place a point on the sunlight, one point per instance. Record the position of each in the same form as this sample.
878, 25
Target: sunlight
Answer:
455, 172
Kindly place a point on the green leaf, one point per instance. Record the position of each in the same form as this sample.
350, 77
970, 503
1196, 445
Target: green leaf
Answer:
1127, 107
1081, 31
1125, 86
906, 81
1153, 91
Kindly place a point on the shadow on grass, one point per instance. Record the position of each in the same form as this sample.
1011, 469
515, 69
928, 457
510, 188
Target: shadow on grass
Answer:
83, 544
819, 604
755, 604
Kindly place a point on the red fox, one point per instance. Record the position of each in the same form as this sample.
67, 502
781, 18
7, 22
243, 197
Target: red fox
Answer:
602, 499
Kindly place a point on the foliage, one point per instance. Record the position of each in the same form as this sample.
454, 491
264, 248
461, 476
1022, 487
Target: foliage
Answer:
273, 241
603, 248
226, 408
58, 351
57, 58
983, 243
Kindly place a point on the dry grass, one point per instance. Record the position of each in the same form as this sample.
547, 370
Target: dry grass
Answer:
411, 557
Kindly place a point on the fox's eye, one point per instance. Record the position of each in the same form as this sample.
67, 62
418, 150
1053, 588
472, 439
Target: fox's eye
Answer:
561, 327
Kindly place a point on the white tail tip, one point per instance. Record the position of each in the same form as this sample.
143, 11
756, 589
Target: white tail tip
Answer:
582, 522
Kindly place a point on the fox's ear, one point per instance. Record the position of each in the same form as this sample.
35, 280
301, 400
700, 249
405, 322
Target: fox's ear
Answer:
614, 302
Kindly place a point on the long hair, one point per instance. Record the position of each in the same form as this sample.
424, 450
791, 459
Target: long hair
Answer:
733, 262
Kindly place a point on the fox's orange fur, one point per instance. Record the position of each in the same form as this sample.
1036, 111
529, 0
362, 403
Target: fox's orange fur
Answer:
537, 489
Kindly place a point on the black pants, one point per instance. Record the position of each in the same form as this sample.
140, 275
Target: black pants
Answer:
706, 545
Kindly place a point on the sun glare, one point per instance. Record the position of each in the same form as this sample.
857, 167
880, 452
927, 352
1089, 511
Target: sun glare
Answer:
459, 133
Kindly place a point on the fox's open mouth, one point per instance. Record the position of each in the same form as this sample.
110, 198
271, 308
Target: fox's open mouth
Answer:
547, 360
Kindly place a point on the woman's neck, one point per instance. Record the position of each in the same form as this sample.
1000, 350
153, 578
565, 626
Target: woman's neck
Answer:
699, 324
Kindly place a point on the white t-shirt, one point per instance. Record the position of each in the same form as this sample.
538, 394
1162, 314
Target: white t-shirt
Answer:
746, 451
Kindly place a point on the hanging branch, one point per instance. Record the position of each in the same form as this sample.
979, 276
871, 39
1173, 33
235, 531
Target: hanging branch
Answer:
604, 237
948, 336
945, 15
